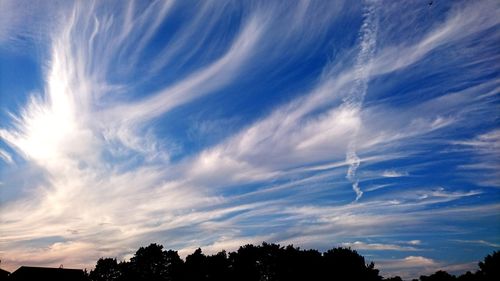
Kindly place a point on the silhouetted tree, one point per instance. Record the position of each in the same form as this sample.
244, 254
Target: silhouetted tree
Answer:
106, 269
299, 264
438, 276
309, 264
347, 264
196, 266
218, 267
395, 278
266, 262
244, 263
175, 265
154, 264
489, 269
269, 262
468, 276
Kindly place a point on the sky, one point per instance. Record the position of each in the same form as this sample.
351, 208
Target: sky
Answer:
363, 124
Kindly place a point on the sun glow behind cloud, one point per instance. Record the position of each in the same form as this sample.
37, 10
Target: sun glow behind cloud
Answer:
117, 73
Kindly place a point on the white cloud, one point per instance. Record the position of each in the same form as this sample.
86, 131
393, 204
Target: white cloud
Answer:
394, 174
290, 137
485, 149
89, 137
415, 266
465, 20
416, 261
377, 246
486, 143
6, 157
203, 81
480, 242
408, 267
88, 197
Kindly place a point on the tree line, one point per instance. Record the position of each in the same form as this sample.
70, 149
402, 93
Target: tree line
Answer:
266, 262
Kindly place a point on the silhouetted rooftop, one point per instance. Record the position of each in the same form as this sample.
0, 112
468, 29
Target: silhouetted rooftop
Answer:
4, 274
30, 273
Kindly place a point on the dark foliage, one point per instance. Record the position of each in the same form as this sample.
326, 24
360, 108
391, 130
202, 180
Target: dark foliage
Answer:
152, 263
106, 269
270, 262
395, 278
489, 270
266, 262
438, 276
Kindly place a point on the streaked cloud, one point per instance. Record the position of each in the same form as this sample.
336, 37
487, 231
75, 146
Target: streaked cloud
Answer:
5, 156
291, 95
394, 174
377, 246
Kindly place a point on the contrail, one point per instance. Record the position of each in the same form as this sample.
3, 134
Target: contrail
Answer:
354, 100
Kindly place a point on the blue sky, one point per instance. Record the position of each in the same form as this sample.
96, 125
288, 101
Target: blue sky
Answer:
368, 124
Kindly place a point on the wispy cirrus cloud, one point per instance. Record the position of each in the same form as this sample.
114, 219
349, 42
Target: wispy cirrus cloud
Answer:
481, 242
85, 141
111, 178
486, 152
377, 246
5, 156
394, 174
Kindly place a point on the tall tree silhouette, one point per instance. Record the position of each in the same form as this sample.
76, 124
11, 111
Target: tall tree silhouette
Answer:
153, 264
218, 267
106, 269
347, 264
196, 266
490, 267
245, 264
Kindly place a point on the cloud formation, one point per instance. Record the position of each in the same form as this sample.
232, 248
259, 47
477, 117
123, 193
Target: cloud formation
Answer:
124, 83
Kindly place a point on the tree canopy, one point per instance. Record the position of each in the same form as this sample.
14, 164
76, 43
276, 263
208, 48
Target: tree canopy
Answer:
265, 262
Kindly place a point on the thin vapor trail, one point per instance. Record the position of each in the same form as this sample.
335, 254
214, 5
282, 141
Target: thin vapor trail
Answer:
354, 100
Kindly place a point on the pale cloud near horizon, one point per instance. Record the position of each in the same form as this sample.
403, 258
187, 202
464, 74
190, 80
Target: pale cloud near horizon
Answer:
415, 266
111, 184
411, 266
377, 246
